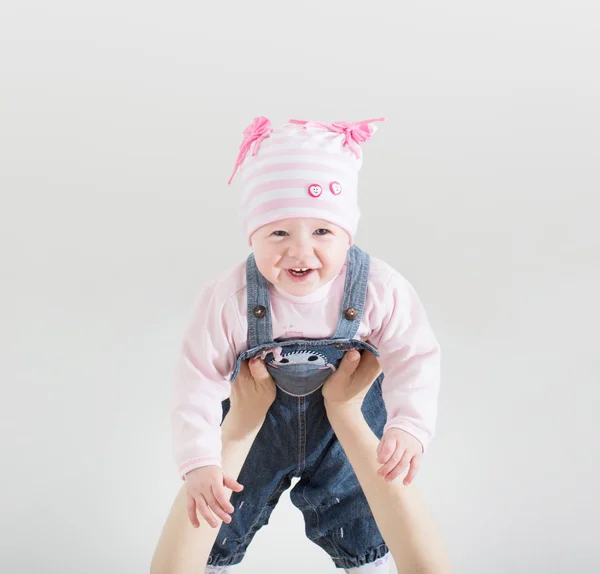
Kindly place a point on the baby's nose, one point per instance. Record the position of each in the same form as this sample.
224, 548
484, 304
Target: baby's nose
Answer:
300, 250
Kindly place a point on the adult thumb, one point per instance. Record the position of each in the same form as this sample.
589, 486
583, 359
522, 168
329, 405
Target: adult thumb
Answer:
349, 362
258, 370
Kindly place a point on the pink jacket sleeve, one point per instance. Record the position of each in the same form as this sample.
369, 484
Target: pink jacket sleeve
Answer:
410, 359
201, 382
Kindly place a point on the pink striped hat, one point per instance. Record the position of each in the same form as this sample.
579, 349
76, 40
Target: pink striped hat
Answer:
302, 169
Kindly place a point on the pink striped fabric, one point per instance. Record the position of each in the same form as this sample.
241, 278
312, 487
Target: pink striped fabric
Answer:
298, 171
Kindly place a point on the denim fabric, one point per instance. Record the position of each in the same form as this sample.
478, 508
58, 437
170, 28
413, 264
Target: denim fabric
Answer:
296, 439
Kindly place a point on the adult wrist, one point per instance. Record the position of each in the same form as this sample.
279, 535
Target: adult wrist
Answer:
342, 405
241, 427
256, 411
343, 411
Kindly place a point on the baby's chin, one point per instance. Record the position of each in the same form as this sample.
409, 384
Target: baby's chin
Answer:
298, 291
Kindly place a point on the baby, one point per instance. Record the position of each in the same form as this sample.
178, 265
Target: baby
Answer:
304, 296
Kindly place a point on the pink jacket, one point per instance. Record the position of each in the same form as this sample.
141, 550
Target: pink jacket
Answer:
393, 320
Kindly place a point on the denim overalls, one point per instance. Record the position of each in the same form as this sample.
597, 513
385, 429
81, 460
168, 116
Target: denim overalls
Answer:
296, 439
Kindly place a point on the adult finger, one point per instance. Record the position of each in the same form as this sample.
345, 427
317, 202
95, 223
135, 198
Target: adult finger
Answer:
191, 511
205, 512
244, 373
348, 365
415, 464
259, 372
369, 367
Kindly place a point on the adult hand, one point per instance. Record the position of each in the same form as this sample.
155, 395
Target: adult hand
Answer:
252, 393
349, 385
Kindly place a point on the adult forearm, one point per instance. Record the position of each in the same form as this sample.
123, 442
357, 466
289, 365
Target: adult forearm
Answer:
237, 439
403, 519
183, 549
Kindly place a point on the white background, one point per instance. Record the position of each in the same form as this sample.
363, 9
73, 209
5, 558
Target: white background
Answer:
119, 127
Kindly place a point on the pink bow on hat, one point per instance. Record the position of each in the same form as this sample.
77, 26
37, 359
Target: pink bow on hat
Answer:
254, 134
355, 132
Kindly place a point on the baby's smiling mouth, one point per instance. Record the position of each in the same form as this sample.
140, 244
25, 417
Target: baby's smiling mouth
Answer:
299, 271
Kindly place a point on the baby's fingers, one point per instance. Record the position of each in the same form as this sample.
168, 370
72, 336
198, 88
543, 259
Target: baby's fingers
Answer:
232, 484
191, 511
385, 450
394, 459
204, 509
415, 464
400, 467
216, 507
222, 500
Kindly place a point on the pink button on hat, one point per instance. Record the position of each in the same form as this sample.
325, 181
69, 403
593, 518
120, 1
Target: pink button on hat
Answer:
302, 169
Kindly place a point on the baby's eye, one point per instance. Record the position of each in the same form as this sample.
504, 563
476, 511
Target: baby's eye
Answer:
325, 231
279, 233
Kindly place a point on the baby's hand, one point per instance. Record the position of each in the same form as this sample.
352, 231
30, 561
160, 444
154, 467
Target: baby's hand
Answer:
396, 451
206, 493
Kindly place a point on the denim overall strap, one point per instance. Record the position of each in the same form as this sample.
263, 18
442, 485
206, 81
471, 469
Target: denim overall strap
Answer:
260, 330
355, 293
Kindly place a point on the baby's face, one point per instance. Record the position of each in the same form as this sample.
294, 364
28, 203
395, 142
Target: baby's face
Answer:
300, 243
